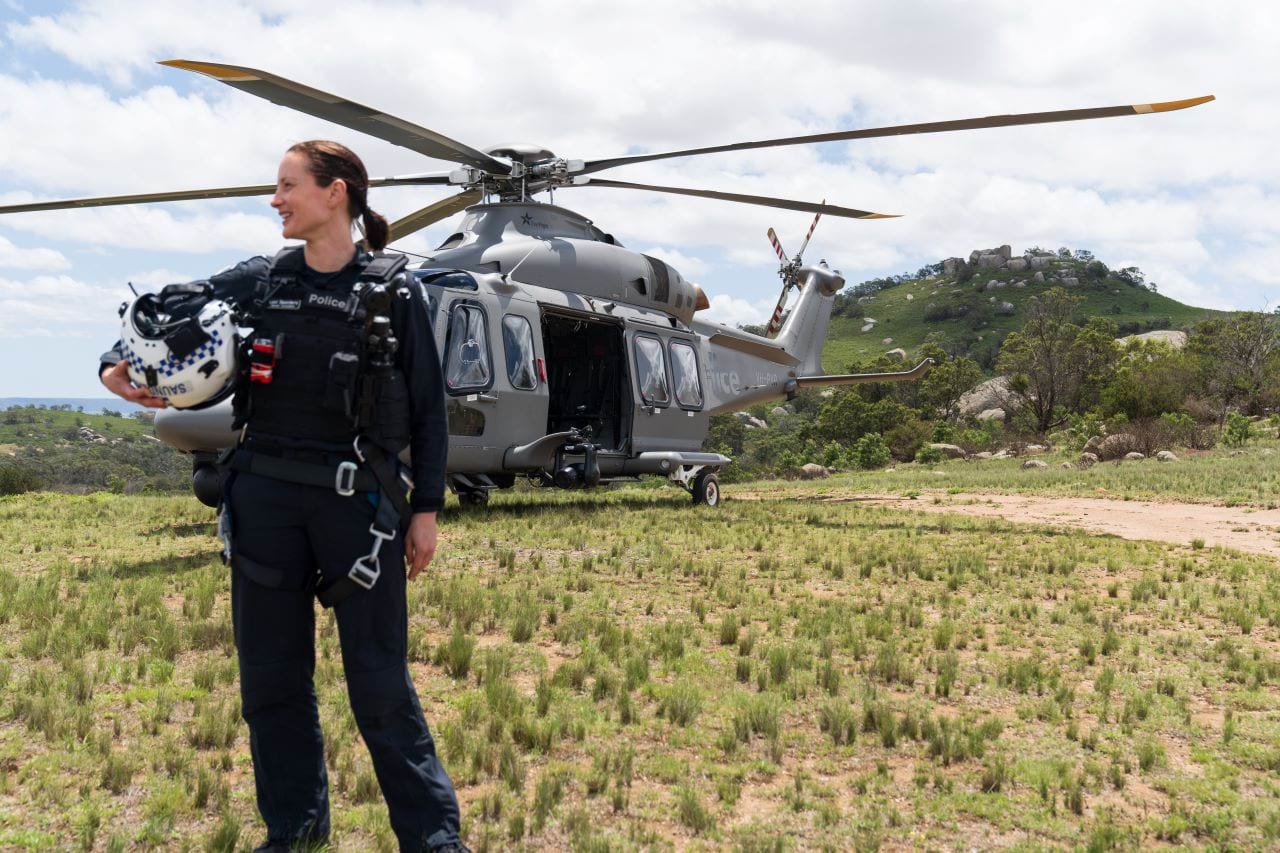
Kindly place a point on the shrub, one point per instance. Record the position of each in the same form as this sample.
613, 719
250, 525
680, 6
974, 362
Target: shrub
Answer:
1237, 431
929, 456
870, 451
14, 479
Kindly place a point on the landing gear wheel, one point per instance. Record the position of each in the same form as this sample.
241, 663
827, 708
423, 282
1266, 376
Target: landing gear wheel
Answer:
474, 499
706, 489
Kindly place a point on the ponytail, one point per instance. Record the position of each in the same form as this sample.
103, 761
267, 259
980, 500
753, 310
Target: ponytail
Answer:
376, 230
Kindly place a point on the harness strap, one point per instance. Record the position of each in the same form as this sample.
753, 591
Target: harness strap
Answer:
303, 473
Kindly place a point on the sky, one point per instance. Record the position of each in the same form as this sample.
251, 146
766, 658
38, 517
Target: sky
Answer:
1191, 197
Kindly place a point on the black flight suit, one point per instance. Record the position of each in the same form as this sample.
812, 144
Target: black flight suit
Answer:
308, 534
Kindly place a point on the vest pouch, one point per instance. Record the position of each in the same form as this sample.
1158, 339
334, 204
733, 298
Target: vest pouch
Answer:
341, 388
390, 427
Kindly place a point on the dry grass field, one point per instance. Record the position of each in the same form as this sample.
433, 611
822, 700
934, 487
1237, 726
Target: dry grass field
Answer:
623, 671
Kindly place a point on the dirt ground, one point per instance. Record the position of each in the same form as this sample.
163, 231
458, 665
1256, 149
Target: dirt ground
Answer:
1243, 528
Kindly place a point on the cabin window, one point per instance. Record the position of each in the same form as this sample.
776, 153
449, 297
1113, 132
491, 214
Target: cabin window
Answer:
651, 371
684, 375
517, 342
467, 364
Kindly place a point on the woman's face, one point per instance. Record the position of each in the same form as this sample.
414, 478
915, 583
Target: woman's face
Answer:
306, 209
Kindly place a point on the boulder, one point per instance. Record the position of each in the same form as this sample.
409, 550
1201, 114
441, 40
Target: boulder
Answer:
779, 412
887, 341
1115, 446
1039, 278
750, 421
1039, 262
1172, 337
1166, 456
1005, 251
1020, 284
1066, 465
1017, 264
813, 471
1134, 456
91, 436
1088, 460
1091, 446
910, 297
990, 262
1034, 463
1002, 453
951, 266
868, 327
900, 354
1036, 448
981, 454
992, 415
951, 451
1006, 308
991, 394
1070, 281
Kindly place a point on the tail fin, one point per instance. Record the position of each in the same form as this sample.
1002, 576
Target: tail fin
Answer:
805, 328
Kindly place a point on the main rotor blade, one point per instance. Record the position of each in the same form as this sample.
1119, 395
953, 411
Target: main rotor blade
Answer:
906, 129
766, 201
425, 179
338, 110
420, 219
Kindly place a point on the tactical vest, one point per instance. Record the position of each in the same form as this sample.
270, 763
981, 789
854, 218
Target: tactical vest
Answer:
315, 385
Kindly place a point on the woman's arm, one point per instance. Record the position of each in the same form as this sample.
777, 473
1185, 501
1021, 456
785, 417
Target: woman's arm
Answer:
429, 431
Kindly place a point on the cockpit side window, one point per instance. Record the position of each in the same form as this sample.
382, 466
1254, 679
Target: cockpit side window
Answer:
517, 343
467, 363
684, 374
651, 371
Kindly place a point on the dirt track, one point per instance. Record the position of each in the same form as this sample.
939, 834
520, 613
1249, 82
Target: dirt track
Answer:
1254, 530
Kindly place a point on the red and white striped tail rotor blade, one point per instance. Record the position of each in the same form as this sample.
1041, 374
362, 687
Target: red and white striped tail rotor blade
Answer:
777, 247
775, 322
816, 217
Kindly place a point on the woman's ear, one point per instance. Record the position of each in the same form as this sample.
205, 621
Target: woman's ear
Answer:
338, 193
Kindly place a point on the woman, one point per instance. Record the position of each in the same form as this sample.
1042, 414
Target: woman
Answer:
294, 537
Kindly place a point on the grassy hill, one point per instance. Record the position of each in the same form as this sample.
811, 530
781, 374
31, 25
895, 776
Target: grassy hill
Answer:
966, 316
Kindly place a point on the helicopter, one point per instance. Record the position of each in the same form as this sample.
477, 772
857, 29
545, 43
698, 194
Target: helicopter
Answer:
568, 358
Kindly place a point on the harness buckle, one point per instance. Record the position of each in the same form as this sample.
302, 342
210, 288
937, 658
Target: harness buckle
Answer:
344, 480
365, 570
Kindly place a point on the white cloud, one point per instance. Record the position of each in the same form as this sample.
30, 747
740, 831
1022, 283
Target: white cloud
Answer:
17, 258
734, 311
59, 305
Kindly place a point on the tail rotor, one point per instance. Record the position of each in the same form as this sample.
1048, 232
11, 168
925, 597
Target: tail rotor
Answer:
789, 272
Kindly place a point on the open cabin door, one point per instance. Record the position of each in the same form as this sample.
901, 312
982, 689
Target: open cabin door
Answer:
587, 384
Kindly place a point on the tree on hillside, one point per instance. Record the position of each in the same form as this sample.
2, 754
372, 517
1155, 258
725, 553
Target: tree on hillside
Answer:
1055, 364
1240, 360
944, 385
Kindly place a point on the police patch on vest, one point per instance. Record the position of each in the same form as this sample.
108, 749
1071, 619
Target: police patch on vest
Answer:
323, 300
284, 304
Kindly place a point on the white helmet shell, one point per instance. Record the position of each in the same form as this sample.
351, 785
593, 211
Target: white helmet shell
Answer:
201, 373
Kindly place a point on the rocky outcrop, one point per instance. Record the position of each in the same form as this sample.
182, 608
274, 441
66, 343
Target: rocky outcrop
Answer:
1038, 263
750, 421
1166, 456
900, 354
1034, 463
1017, 264
1088, 460
813, 471
1172, 337
1115, 446
1134, 456
90, 436
951, 266
992, 415
992, 394
1006, 309
951, 451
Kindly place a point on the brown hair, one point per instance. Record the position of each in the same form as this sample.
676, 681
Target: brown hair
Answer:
327, 161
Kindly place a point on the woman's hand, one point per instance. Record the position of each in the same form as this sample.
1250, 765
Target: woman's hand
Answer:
420, 542
118, 382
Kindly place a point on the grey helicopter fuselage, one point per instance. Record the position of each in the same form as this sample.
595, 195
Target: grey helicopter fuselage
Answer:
552, 334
